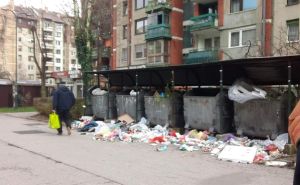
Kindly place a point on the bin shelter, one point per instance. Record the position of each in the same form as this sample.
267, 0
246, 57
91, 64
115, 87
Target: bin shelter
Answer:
261, 71
205, 108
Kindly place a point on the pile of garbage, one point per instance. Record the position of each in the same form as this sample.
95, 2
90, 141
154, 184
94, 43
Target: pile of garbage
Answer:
225, 147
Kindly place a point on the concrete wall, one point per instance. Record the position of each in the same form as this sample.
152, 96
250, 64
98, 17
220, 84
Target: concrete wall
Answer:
236, 21
137, 39
283, 13
8, 41
120, 42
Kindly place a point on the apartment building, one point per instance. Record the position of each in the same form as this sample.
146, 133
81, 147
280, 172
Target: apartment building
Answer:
147, 33
55, 35
230, 29
286, 28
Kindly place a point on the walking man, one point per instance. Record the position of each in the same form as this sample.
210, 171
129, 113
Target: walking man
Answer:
62, 102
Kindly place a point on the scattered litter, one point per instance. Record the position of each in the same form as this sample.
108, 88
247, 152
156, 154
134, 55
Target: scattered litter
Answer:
238, 154
276, 163
224, 146
126, 118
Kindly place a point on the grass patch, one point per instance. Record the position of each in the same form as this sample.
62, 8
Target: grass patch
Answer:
18, 109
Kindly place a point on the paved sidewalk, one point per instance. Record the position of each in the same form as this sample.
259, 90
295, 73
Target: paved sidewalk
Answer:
32, 154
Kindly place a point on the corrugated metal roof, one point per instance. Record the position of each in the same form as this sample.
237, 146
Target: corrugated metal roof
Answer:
261, 71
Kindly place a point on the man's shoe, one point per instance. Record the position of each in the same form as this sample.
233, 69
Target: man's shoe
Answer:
59, 133
69, 130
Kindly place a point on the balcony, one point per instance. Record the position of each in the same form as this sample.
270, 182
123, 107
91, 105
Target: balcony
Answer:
50, 55
198, 57
204, 21
48, 37
49, 28
160, 31
106, 52
158, 5
47, 46
94, 54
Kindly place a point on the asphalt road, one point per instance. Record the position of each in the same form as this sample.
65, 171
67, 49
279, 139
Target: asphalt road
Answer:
32, 154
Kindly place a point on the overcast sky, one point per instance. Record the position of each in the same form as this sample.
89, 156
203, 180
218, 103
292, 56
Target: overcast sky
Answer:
53, 5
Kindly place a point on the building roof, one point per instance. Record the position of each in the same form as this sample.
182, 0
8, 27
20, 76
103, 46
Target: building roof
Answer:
25, 12
53, 16
261, 71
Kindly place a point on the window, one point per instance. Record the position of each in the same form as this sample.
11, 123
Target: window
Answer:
58, 51
30, 58
58, 27
47, 24
58, 34
292, 2
125, 8
30, 50
125, 31
58, 60
293, 30
242, 37
19, 48
31, 77
140, 51
242, 5
19, 30
19, 57
140, 4
20, 39
73, 61
208, 44
157, 51
140, 26
217, 43
30, 67
248, 36
235, 39
57, 43
57, 68
124, 55
158, 18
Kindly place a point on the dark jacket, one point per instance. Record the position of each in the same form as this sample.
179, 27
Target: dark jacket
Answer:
63, 99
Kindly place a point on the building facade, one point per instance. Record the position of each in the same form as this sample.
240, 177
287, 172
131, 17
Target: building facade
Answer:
54, 39
170, 32
147, 33
286, 28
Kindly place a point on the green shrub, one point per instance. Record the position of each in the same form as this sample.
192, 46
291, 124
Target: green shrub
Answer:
44, 107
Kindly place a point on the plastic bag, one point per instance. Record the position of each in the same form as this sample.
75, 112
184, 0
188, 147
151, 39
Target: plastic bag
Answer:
241, 95
53, 121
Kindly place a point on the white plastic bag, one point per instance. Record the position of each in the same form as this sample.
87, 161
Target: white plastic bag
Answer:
241, 95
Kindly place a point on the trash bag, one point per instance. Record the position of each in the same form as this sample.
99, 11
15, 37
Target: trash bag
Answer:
53, 121
242, 92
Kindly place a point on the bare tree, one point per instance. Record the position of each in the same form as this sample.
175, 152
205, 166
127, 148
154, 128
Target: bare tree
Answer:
283, 45
3, 73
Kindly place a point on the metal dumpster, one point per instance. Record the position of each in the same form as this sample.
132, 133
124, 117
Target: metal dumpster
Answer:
162, 111
127, 104
262, 117
100, 106
209, 110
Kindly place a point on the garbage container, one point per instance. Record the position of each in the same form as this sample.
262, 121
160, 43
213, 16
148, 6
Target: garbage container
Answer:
208, 109
100, 105
262, 117
165, 110
127, 104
